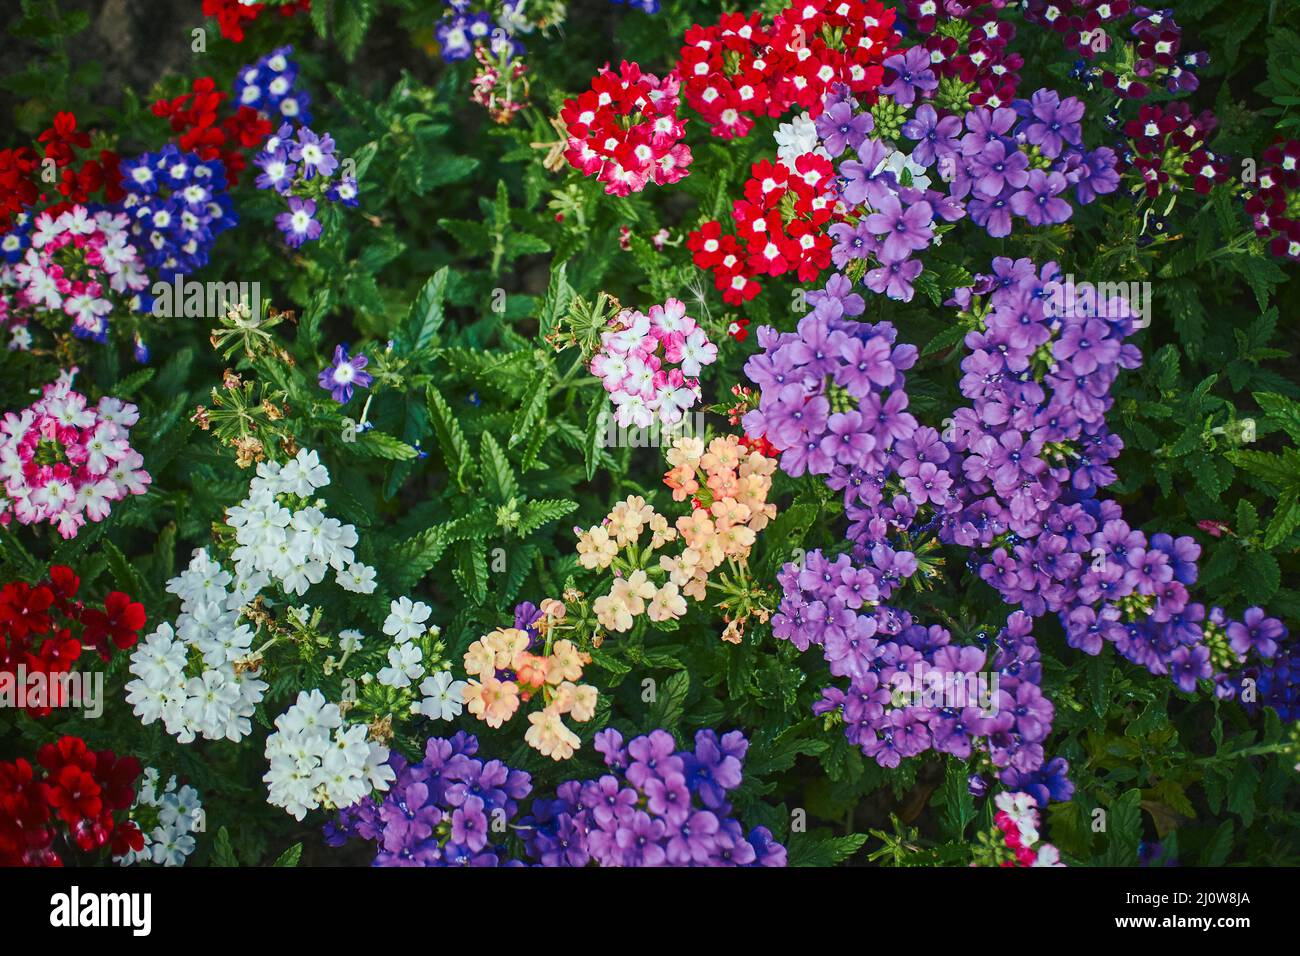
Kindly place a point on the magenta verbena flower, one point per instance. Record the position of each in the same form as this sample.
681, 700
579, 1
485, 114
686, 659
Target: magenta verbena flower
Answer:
65, 462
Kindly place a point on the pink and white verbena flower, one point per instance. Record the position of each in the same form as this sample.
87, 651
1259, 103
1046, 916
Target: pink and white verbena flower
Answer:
1018, 819
649, 364
65, 462
76, 261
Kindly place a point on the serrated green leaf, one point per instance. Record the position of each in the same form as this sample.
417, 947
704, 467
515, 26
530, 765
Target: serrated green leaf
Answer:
594, 439
670, 701
289, 857
533, 407
809, 851
427, 313
376, 444
498, 477
537, 513
471, 569
1123, 830
451, 439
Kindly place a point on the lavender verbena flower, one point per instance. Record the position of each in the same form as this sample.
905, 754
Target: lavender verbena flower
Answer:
345, 374
840, 128
656, 806
1038, 202
1051, 122
315, 153
913, 74
449, 809
996, 167
1095, 175
278, 172
852, 241
904, 231
863, 180
936, 137
1035, 450
299, 223
894, 279
830, 360
1014, 480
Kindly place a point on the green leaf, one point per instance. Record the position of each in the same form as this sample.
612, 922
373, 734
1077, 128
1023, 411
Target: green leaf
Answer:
1262, 577
608, 661
1099, 672
958, 804
289, 857
124, 574
559, 297
223, 853
426, 314
455, 449
1241, 790
471, 569
533, 408
310, 323
1123, 829
944, 340
1286, 516
376, 444
594, 438
806, 851
1247, 518
353, 21
537, 513
1281, 410
670, 701
1271, 468
498, 477
1219, 848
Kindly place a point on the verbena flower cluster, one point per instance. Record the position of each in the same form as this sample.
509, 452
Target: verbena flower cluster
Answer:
743, 67
319, 760
283, 538
197, 676
657, 806
268, 86
64, 462
1014, 477
44, 630
77, 267
72, 793
728, 484
650, 364
625, 130
514, 665
167, 817
451, 808
1018, 820
300, 167
177, 205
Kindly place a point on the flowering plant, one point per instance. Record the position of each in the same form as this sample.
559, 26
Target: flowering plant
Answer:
812, 433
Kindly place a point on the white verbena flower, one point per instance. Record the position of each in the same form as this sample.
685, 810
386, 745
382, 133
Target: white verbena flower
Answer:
405, 664
441, 697
406, 619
